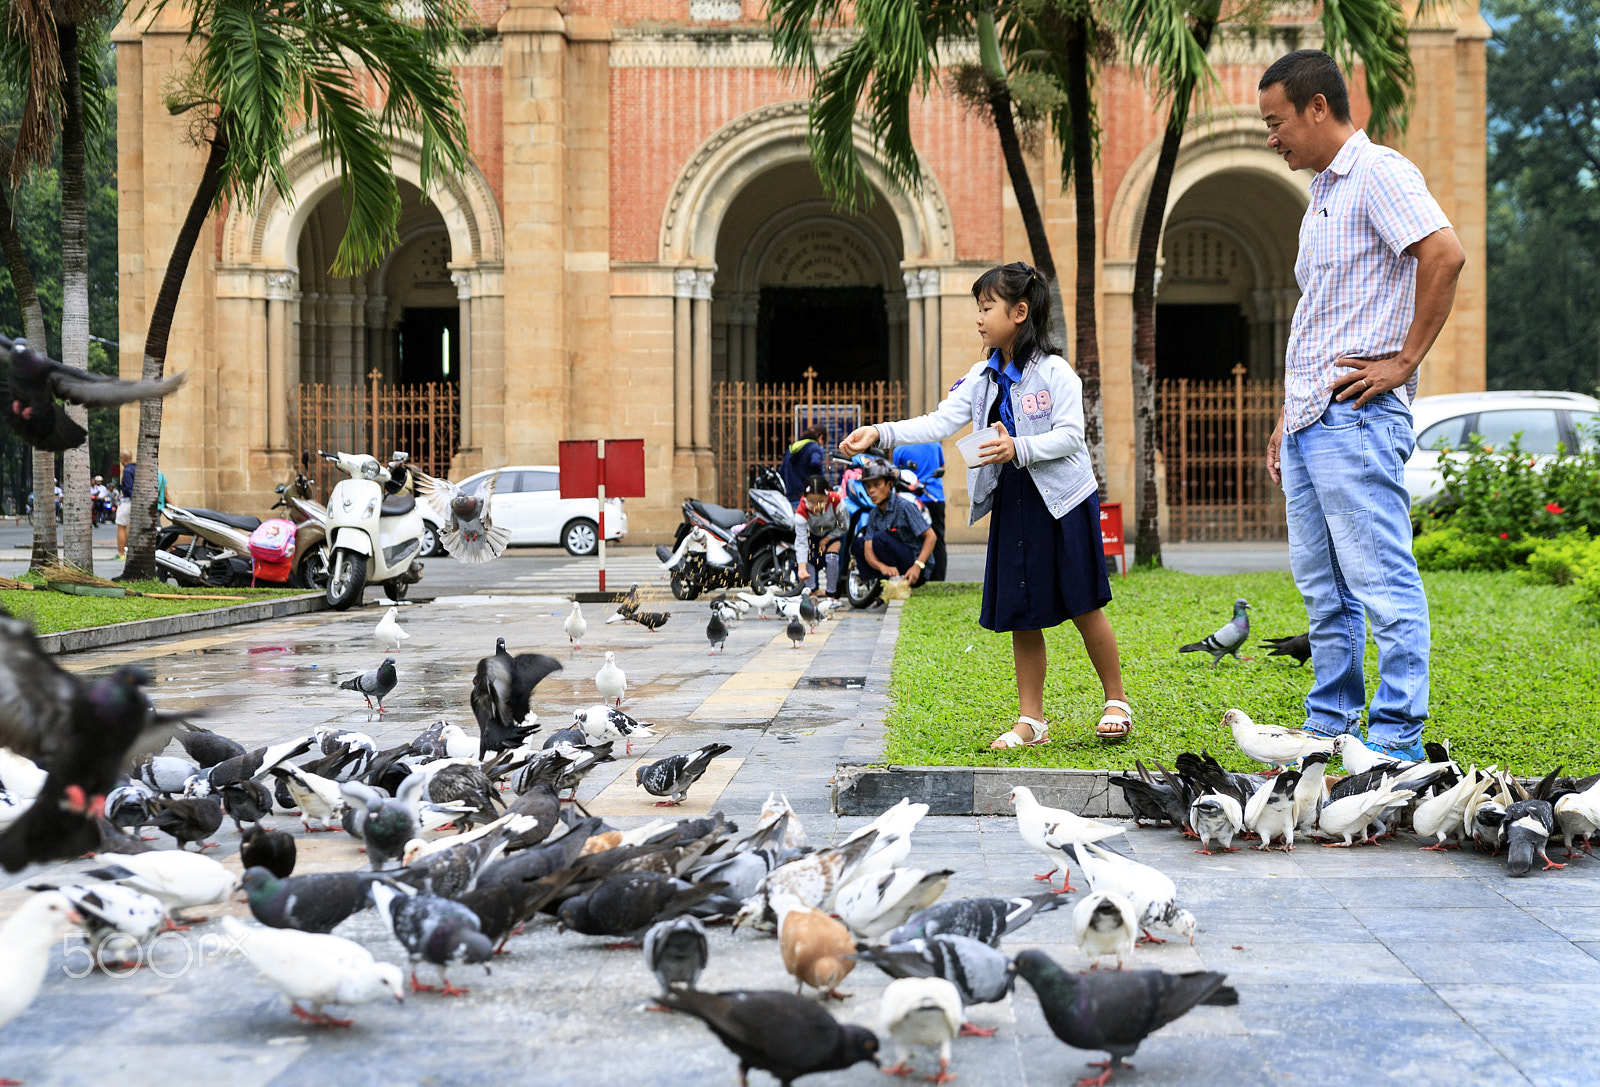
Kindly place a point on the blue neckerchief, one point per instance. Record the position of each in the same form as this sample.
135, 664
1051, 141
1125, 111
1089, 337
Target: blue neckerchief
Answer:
1006, 376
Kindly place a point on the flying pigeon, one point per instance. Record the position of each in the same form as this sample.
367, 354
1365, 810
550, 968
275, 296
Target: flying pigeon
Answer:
500, 693
576, 626
781, 1033
979, 972
35, 381
611, 681
432, 929
1270, 811
602, 723
875, 903
177, 879
1152, 893
108, 911
1298, 646
316, 969
1115, 1011
1529, 826
388, 630
273, 850
985, 919
1036, 823
25, 942
1105, 924
716, 630
816, 950
1228, 638
374, 684
469, 535
921, 1012
1272, 744
672, 776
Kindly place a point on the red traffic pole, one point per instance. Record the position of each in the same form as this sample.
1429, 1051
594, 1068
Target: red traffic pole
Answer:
600, 493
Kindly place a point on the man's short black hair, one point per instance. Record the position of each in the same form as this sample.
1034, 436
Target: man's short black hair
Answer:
1306, 73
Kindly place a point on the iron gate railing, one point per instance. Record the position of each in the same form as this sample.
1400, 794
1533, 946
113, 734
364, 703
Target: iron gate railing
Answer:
1214, 439
423, 420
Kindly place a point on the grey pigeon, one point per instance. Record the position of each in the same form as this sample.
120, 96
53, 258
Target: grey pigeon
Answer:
165, 774
453, 870
1298, 647
672, 776
432, 929
1115, 1010
501, 689
389, 824
464, 781
740, 871
716, 629
34, 381
781, 1033
1528, 827
469, 535
563, 766
808, 611
572, 735
796, 631
676, 952
978, 971
375, 684
129, 805
625, 904
206, 747
315, 902
1228, 638
985, 919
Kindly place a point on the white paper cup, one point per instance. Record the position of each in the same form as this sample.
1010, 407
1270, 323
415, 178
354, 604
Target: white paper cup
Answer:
969, 445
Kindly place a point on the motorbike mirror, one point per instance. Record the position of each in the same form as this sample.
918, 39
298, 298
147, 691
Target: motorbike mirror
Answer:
305, 458
280, 488
399, 457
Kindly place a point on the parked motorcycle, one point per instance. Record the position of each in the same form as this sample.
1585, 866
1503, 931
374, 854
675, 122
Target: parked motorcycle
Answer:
210, 548
721, 548
371, 536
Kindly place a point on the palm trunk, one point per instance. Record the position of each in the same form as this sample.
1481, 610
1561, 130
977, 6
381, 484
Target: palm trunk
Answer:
1147, 537
142, 519
1086, 358
44, 464
1022, 186
77, 541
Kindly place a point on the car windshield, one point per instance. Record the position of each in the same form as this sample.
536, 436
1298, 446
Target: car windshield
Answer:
1537, 429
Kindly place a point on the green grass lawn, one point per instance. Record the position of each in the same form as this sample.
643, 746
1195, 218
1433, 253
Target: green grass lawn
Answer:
1515, 674
52, 612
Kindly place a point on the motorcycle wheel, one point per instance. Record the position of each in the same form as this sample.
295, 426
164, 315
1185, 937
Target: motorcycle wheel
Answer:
861, 591
312, 570
768, 571
346, 578
395, 589
686, 579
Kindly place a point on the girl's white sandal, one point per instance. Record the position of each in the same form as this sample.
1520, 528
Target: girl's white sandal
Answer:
1041, 735
1124, 724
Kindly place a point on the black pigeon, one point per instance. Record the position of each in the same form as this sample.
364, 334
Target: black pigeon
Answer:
500, 692
676, 952
539, 861
114, 840
564, 767
781, 1033
79, 733
1298, 647
432, 929
1115, 1010
315, 902
464, 782
1528, 827
273, 850
205, 747
35, 381
716, 630
188, 819
625, 904
651, 620
254, 764
672, 776
983, 919
374, 684
1151, 800
796, 630
246, 802
501, 908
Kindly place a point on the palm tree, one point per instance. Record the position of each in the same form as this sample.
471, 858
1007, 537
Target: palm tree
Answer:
44, 464
1169, 39
263, 67
897, 54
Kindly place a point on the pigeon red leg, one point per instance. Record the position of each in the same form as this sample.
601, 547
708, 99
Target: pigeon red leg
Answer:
1149, 937
901, 1069
419, 987
944, 1074
972, 1030
1110, 1068
1549, 864
666, 803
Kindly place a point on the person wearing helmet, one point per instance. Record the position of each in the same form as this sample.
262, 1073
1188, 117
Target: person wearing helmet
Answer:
898, 537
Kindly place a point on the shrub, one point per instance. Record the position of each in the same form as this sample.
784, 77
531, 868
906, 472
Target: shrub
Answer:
1451, 548
1491, 491
1565, 560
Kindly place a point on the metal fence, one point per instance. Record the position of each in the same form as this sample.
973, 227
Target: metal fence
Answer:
755, 424
422, 420
1214, 438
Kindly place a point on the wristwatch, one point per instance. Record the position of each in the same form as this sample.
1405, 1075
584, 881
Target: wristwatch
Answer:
921, 565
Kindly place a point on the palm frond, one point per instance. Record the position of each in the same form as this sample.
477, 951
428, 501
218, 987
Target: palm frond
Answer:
1374, 33
1158, 37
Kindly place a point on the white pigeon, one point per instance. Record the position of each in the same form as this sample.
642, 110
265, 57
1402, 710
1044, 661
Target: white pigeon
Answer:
919, 1013
388, 629
873, 904
1358, 758
1310, 793
602, 723
1269, 812
1151, 892
611, 681
457, 744
1439, 816
25, 942
762, 601
19, 776
1350, 816
318, 797
432, 816
1272, 744
1105, 924
576, 625
512, 823
116, 916
1579, 816
177, 879
1035, 822
794, 832
788, 607
893, 844
316, 968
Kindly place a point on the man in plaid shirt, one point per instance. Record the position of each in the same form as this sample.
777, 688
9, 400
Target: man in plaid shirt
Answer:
1377, 270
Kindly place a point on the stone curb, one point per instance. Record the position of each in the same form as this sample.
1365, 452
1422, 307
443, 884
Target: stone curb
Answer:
72, 641
973, 790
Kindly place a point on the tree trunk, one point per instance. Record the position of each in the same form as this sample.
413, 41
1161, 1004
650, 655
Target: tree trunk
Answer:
44, 464
1022, 186
77, 541
1086, 357
143, 518
1147, 536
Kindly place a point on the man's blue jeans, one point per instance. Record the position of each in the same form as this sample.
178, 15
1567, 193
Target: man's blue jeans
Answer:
1350, 549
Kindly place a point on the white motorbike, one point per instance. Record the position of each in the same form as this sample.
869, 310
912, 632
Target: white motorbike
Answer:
371, 537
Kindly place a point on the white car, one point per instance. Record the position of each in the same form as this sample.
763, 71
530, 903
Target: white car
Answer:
527, 500
1542, 418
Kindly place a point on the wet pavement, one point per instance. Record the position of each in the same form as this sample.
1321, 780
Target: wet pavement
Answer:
1383, 965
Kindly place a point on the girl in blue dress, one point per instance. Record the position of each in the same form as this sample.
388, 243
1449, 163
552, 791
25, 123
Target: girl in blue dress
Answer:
1046, 565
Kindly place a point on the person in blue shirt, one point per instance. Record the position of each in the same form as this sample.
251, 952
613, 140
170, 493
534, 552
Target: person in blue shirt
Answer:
806, 458
897, 537
926, 459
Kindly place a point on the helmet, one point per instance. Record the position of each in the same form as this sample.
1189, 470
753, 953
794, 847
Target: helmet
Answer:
877, 469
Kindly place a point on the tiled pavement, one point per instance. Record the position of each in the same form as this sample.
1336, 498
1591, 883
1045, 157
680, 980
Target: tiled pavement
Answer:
1385, 965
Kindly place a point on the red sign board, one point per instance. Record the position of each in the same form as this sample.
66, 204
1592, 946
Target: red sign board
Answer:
1111, 537
580, 469
622, 468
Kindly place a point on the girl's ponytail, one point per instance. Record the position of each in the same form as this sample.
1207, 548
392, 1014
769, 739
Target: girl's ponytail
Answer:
1021, 282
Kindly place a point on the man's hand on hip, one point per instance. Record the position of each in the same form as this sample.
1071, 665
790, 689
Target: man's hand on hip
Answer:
1368, 378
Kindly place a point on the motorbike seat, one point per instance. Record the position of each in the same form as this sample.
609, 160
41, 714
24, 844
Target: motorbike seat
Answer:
397, 505
241, 521
721, 516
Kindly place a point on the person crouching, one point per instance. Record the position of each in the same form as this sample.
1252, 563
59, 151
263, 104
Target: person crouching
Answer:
898, 537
